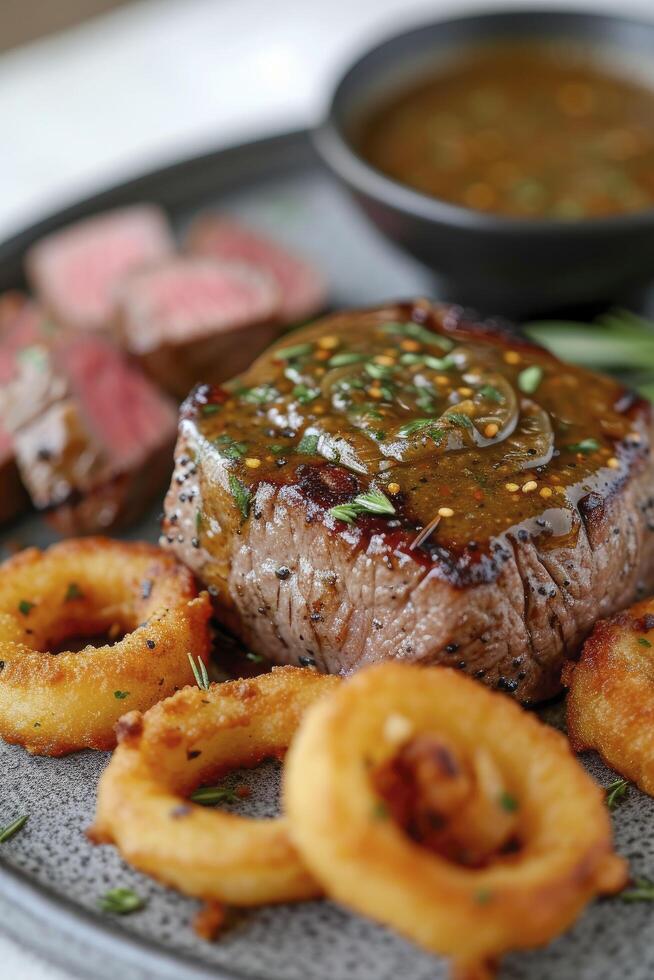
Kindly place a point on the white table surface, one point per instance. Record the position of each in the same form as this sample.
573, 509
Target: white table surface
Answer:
164, 79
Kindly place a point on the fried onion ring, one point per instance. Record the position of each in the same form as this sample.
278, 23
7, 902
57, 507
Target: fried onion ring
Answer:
610, 704
192, 739
54, 704
484, 885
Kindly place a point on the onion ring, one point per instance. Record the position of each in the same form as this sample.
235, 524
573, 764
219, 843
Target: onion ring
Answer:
191, 739
611, 694
472, 912
94, 586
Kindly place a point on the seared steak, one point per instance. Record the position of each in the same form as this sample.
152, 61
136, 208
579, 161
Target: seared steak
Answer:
92, 435
301, 286
403, 483
191, 320
75, 272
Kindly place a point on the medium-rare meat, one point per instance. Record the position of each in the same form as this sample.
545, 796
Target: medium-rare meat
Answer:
76, 272
92, 435
191, 320
21, 324
302, 287
403, 483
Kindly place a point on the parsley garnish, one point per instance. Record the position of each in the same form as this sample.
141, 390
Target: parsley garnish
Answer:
642, 891
305, 395
241, 495
6, 833
121, 901
73, 592
616, 793
121, 695
210, 409
229, 448
260, 394
492, 394
530, 378
308, 445
209, 795
277, 449
459, 419
586, 446
25, 607
199, 672
378, 371
644, 642
290, 353
508, 802
426, 426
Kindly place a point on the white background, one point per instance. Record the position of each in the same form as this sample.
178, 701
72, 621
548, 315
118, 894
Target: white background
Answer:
167, 78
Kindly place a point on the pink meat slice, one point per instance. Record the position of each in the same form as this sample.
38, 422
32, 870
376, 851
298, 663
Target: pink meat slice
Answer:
186, 299
76, 271
301, 285
120, 405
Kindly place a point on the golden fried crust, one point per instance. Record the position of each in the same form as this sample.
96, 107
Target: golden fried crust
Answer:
610, 704
54, 704
192, 739
365, 860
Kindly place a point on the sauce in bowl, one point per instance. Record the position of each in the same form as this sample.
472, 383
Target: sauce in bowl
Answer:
522, 129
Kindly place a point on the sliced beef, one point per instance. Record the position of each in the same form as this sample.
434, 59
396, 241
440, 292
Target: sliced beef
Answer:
517, 501
92, 435
21, 324
302, 287
75, 272
191, 320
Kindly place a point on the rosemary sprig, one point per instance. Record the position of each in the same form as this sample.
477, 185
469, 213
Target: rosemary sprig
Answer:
199, 672
616, 793
210, 795
642, 891
6, 833
371, 502
121, 901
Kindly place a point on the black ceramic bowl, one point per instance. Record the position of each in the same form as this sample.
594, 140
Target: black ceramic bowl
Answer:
500, 264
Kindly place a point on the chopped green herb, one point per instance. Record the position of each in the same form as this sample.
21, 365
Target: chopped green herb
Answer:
210, 795
305, 395
374, 502
198, 521
439, 363
25, 607
380, 811
121, 901
199, 672
256, 658
6, 833
616, 793
417, 332
420, 425
260, 394
508, 802
644, 642
73, 592
121, 695
459, 419
345, 512
241, 495
290, 353
210, 409
586, 446
530, 378
642, 891
277, 449
229, 448
492, 394
308, 445
378, 371
347, 357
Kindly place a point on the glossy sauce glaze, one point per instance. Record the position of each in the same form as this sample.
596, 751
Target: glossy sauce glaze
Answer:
524, 129
437, 433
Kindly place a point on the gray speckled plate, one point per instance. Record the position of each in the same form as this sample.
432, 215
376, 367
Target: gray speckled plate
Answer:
51, 877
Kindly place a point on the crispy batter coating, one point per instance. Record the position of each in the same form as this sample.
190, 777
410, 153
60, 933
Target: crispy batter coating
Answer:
552, 856
54, 704
191, 739
610, 704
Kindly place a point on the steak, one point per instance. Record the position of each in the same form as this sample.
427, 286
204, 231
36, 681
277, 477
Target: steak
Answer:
302, 288
92, 436
21, 324
402, 482
191, 320
76, 272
